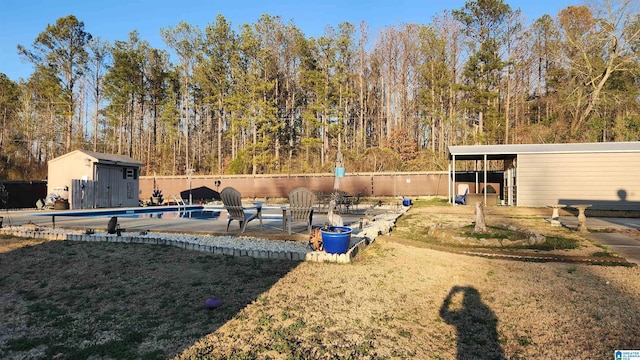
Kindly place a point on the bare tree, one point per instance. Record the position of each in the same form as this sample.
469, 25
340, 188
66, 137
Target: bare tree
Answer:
99, 55
599, 40
62, 47
185, 39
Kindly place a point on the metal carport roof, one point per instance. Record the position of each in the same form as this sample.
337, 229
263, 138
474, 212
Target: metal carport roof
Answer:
501, 152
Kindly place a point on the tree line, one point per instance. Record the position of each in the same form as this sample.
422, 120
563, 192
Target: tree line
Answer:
265, 98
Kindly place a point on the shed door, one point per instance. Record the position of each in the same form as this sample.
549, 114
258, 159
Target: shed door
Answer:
108, 190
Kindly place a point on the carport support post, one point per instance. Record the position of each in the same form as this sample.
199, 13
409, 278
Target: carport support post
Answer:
452, 181
53, 220
485, 179
477, 182
448, 183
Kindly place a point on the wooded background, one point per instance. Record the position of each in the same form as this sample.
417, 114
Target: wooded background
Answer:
265, 98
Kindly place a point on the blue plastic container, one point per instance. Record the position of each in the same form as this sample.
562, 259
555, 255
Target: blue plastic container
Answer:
340, 171
336, 242
406, 202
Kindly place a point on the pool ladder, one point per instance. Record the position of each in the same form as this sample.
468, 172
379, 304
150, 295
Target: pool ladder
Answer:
179, 201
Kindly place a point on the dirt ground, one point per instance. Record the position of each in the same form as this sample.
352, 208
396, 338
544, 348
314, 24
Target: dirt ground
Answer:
402, 300
399, 299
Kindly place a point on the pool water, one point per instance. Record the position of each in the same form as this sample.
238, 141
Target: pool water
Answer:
197, 214
189, 212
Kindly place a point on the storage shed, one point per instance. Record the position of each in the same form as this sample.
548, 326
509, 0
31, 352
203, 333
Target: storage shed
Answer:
603, 175
95, 180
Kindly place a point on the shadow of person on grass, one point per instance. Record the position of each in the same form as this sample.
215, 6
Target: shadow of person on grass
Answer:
476, 325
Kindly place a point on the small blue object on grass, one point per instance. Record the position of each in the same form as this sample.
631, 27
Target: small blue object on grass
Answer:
213, 303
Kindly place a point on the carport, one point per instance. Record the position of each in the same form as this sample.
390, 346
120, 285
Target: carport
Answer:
481, 155
536, 175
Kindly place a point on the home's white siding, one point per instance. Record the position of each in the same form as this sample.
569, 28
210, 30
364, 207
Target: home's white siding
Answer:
605, 180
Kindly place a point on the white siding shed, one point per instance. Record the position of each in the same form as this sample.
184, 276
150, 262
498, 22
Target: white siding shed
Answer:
95, 180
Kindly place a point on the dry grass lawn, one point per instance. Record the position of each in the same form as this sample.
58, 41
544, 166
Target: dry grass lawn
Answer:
397, 299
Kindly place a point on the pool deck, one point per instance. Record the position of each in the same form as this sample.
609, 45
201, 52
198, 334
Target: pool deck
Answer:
97, 219
624, 244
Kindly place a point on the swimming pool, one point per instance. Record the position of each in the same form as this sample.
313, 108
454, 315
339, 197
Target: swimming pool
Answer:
124, 212
188, 212
193, 214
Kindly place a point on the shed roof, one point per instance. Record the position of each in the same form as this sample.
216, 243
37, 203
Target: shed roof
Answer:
101, 158
501, 152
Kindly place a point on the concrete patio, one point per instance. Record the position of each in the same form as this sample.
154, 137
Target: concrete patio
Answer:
176, 222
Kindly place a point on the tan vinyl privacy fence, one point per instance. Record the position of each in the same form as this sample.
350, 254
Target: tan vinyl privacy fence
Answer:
278, 186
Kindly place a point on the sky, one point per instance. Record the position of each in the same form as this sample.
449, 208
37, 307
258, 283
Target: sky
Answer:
22, 20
